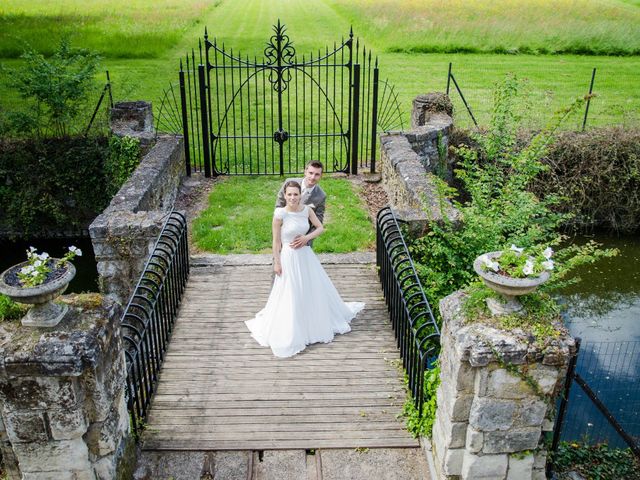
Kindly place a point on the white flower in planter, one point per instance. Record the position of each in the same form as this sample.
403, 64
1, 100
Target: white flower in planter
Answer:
528, 267
490, 264
518, 250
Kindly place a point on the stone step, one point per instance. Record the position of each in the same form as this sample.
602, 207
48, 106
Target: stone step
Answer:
321, 464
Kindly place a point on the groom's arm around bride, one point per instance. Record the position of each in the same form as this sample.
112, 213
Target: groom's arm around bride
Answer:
312, 193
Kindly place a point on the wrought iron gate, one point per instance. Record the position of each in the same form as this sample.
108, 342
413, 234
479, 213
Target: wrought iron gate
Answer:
242, 116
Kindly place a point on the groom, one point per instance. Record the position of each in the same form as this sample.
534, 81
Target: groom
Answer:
312, 195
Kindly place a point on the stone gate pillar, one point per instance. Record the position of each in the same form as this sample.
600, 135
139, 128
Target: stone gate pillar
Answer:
62, 397
495, 400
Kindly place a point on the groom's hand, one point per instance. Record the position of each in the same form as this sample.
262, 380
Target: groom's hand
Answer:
299, 241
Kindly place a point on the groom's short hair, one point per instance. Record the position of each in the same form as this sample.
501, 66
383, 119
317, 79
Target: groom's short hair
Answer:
315, 164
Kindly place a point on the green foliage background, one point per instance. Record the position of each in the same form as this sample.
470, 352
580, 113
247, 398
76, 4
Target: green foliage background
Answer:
52, 184
122, 160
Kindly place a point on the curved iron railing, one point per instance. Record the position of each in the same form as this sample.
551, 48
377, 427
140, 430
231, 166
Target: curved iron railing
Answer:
417, 333
148, 320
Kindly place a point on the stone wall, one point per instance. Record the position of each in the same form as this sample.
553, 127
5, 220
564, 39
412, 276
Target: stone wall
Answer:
124, 234
490, 422
411, 160
63, 398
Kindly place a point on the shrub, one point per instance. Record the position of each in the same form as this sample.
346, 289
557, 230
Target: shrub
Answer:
597, 175
499, 207
59, 88
420, 423
51, 184
123, 158
596, 462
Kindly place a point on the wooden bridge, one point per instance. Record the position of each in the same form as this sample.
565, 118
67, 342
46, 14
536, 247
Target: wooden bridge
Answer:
219, 390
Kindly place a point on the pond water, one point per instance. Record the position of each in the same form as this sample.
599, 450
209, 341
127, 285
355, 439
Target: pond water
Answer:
86, 279
604, 311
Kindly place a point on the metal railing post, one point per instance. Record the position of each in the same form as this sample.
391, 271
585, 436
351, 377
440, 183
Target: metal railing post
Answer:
562, 410
109, 84
148, 319
586, 111
204, 119
416, 331
185, 125
356, 118
464, 100
374, 117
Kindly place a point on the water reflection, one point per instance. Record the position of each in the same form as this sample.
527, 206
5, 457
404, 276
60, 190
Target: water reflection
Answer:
604, 310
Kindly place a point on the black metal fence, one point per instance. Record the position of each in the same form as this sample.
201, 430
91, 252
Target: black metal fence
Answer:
606, 408
476, 103
417, 333
248, 116
106, 91
148, 320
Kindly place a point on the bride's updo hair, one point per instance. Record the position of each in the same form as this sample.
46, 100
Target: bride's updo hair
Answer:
294, 184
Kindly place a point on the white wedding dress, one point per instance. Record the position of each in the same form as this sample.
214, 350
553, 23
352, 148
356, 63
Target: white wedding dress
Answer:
303, 307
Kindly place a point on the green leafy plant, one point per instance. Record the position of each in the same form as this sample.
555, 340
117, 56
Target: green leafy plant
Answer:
596, 462
10, 310
51, 184
41, 265
122, 160
500, 210
420, 423
59, 86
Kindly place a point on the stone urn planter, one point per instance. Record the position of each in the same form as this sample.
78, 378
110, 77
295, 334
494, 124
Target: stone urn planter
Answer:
508, 287
44, 312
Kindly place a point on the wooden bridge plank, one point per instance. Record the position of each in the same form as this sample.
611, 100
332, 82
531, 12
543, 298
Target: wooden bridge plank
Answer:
219, 389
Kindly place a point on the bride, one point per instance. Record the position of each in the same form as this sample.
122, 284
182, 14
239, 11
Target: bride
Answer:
303, 307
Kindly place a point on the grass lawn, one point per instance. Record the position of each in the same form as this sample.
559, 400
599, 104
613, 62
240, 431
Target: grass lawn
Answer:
142, 41
608, 27
238, 219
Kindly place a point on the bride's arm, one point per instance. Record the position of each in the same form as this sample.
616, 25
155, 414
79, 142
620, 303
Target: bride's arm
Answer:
276, 245
315, 221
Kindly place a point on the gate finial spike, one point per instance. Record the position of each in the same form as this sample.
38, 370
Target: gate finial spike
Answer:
351, 31
206, 34
376, 61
